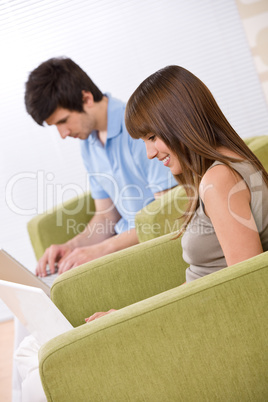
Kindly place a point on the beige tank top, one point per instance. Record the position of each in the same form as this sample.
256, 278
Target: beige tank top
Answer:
201, 248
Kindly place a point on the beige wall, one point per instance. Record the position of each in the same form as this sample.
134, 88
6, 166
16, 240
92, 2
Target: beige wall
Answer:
254, 15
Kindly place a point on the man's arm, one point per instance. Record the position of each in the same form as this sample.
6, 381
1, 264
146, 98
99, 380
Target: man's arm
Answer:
100, 227
160, 193
98, 239
82, 255
84, 250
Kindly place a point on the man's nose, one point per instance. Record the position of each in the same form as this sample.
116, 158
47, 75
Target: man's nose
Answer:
63, 131
151, 150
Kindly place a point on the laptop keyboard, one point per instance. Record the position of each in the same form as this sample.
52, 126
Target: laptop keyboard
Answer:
50, 278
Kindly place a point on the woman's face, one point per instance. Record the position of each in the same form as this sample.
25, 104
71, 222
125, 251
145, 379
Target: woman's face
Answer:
156, 148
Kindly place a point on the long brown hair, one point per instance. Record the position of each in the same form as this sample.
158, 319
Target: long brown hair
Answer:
176, 106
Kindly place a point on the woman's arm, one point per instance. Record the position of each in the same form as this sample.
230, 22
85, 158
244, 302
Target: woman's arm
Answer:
227, 203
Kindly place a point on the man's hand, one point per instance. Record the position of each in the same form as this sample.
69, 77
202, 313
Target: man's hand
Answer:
81, 255
71, 254
54, 254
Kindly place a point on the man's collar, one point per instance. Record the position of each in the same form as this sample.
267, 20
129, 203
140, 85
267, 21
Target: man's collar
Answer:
114, 120
114, 124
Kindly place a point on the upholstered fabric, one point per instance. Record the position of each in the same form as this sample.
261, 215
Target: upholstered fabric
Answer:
203, 341
60, 224
120, 279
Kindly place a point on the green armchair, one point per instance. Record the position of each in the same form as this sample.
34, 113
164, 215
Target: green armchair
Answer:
204, 341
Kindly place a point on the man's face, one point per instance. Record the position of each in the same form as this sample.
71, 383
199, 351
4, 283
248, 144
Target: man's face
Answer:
72, 124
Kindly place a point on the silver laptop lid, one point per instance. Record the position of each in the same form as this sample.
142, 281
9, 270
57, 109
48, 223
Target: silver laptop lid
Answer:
12, 271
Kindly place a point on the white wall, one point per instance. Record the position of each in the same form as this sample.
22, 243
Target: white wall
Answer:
118, 43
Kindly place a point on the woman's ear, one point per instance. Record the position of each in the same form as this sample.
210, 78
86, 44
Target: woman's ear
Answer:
87, 98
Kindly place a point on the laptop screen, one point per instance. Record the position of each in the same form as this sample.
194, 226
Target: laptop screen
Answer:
35, 310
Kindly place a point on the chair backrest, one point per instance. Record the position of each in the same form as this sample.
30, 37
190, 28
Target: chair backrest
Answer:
259, 146
61, 223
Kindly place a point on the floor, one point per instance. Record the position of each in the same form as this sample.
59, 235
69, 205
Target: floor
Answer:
6, 352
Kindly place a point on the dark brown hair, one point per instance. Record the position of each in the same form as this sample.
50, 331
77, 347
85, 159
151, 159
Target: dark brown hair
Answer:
176, 106
57, 82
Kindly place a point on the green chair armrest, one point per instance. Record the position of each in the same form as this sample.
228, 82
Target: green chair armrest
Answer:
119, 279
204, 341
60, 224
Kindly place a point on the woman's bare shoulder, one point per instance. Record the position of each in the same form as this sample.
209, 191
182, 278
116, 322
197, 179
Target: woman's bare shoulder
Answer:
219, 177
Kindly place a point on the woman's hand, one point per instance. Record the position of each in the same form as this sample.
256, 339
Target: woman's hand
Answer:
98, 315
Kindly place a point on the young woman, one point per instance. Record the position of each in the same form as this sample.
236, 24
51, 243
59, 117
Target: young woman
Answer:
182, 125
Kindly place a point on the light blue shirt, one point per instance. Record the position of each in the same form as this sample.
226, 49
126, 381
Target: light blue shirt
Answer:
121, 171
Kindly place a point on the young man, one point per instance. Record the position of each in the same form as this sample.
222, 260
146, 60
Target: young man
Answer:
122, 179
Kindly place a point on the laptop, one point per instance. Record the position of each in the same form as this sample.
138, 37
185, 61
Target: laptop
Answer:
12, 271
35, 310
28, 297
